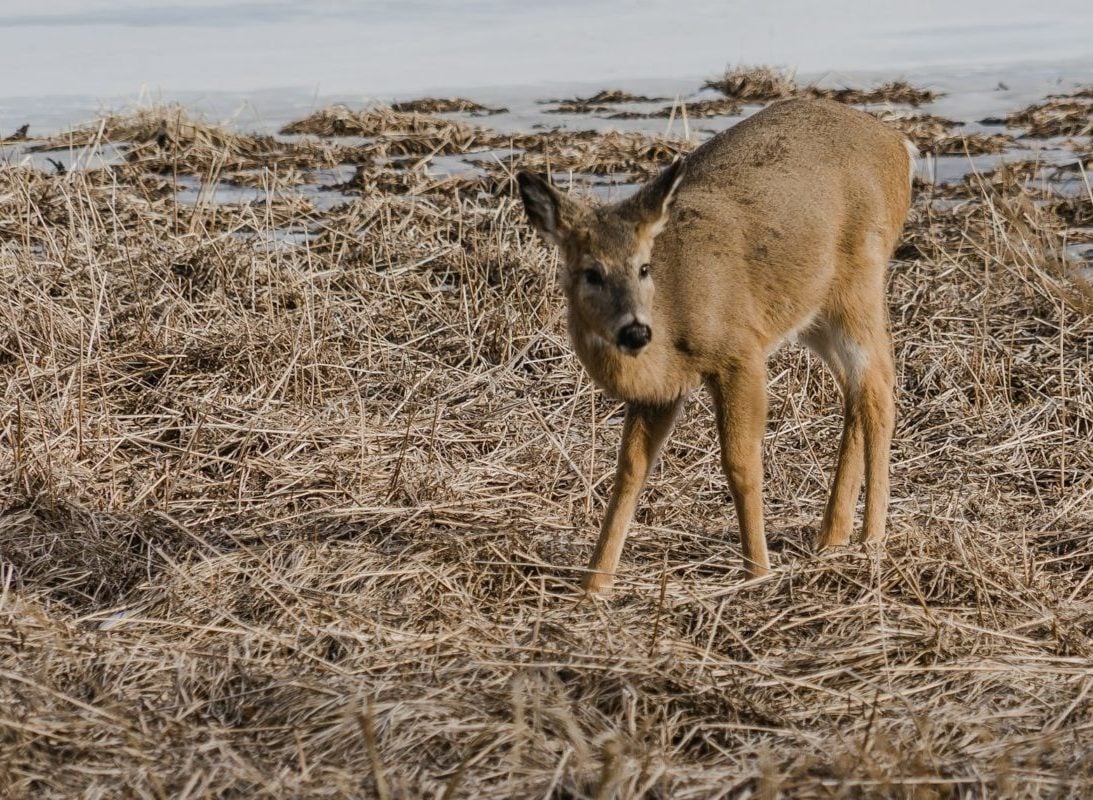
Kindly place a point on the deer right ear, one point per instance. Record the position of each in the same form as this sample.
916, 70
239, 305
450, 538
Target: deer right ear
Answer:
652, 201
549, 211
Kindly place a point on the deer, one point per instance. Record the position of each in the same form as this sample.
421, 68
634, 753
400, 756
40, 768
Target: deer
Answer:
777, 229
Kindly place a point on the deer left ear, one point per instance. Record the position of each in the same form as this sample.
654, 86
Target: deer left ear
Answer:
650, 207
550, 212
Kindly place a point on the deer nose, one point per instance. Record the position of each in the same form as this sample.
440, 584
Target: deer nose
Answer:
635, 336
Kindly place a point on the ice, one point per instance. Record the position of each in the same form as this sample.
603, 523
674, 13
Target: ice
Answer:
269, 60
258, 64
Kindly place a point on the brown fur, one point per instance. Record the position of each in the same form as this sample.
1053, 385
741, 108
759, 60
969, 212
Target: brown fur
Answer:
780, 226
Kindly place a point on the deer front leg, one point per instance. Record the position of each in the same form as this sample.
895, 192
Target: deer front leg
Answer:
740, 402
643, 433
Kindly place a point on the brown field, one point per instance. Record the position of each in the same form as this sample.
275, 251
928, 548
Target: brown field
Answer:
294, 498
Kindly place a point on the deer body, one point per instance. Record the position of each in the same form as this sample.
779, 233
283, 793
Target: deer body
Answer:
781, 226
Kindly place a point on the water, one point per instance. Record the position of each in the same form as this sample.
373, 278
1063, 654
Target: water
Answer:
258, 64
268, 59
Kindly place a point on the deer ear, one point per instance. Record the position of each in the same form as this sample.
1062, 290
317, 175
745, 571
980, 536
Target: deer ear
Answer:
549, 211
650, 206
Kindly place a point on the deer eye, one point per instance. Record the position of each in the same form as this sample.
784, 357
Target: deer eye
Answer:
593, 277
643, 271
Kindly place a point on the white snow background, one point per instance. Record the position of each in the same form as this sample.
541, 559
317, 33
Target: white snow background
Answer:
64, 60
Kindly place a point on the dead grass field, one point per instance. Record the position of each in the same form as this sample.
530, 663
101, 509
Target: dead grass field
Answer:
305, 519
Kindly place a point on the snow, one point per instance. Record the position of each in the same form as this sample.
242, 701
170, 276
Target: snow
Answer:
62, 56
261, 63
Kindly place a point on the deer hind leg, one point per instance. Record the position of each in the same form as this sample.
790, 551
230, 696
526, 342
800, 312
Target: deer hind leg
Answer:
740, 402
878, 410
858, 351
643, 433
842, 356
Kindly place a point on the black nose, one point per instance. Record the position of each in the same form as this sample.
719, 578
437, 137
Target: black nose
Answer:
635, 336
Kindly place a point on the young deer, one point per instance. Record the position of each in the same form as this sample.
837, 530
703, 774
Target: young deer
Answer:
780, 226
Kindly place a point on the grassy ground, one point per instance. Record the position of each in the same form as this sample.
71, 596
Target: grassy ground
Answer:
306, 519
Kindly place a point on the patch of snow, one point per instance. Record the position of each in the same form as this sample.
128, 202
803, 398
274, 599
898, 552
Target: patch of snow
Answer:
57, 54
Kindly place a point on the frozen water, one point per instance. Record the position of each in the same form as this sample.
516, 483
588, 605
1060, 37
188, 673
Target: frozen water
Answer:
64, 58
257, 64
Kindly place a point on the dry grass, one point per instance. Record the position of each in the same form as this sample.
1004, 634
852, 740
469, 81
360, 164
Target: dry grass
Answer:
591, 152
306, 520
937, 135
740, 85
897, 92
396, 133
415, 180
166, 139
446, 105
1070, 115
598, 103
751, 84
765, 83
695, 109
